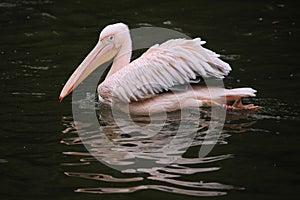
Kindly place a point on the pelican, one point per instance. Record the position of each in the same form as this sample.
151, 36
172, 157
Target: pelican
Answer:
145, 84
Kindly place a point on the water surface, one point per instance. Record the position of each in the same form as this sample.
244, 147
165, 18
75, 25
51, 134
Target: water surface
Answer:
41, 155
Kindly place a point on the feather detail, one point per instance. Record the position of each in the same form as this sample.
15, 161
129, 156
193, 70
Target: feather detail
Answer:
172, 63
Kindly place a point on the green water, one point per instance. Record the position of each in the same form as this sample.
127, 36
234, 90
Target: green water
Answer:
43, 41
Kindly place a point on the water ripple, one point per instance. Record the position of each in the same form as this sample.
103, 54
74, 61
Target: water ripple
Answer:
129, 151
164, 188
102, 177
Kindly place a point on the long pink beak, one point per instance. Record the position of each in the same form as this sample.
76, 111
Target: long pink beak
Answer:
100, 54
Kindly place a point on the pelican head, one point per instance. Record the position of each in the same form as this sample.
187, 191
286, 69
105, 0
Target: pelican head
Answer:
111, 40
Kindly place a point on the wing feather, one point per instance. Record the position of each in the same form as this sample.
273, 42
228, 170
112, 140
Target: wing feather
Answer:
172, 63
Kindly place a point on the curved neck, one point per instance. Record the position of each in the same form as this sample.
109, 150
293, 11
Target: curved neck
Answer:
122, 58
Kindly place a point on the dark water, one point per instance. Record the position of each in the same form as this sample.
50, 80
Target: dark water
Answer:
41, 155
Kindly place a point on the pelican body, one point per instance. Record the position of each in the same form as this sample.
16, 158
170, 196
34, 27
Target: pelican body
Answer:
145, 84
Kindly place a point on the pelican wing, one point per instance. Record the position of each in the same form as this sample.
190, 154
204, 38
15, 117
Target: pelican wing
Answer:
172, 63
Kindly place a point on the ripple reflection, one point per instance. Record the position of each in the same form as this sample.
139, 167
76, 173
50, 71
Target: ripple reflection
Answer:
129, 149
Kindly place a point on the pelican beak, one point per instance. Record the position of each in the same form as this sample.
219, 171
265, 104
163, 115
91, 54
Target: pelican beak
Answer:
102, 53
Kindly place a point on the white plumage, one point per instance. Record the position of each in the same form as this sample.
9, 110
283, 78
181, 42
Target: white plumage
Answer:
143, 83
163, 66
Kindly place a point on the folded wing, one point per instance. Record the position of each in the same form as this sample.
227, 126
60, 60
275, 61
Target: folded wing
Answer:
172, 63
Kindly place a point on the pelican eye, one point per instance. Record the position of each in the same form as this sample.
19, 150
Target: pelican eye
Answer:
111, 38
